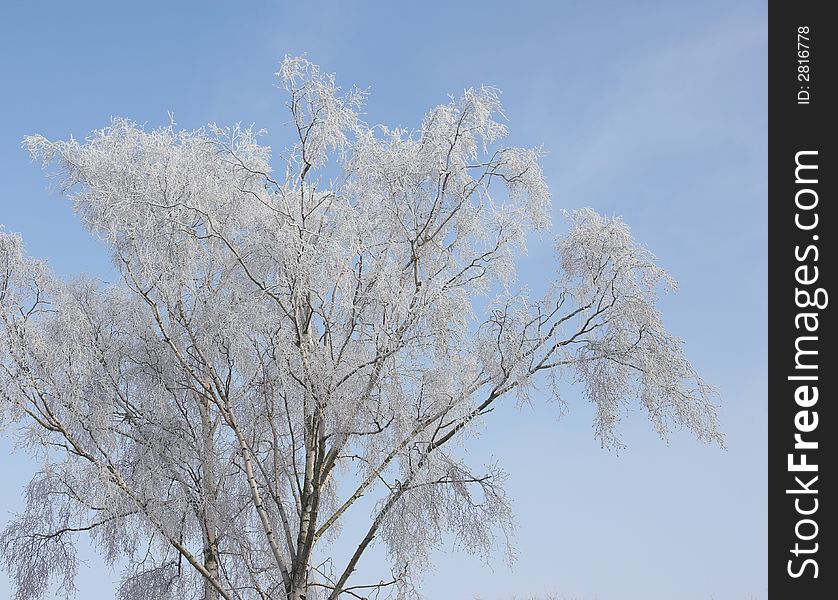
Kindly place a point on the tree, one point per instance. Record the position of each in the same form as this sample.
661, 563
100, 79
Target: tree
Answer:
281, 344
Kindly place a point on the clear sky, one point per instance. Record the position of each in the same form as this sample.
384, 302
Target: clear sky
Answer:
655, 111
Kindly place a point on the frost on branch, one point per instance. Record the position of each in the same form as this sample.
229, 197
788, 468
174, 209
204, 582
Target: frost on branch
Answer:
37, 548
623, 350
282, 343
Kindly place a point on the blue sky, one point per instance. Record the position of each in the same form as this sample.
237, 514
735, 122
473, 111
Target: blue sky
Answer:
655, 111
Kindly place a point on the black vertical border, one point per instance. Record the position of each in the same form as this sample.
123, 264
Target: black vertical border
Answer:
795, 127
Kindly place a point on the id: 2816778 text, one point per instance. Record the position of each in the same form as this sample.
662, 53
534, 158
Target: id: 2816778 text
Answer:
803, 67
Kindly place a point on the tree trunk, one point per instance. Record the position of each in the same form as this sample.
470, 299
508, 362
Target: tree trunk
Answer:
299, 580
211, 564
209, 484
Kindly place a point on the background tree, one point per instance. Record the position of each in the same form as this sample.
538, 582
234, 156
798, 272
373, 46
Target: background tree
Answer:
281, 344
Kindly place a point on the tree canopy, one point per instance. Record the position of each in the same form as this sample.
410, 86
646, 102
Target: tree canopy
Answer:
286, 339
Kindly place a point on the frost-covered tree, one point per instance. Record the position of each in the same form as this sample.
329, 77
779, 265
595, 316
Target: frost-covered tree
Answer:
283, 341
